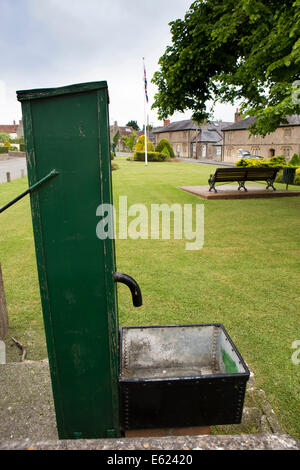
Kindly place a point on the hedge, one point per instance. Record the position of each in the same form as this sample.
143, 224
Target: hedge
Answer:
151, 157
3, 149
278, 161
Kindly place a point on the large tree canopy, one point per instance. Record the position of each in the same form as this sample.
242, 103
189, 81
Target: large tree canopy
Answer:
228, 50
133, 124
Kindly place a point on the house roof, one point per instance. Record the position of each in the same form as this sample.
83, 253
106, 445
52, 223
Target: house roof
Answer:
8, 128
219, 125
293, 120
124, 130
184, 125
207, 135
188, 124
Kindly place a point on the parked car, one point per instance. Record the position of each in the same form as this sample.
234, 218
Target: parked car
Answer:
244, 153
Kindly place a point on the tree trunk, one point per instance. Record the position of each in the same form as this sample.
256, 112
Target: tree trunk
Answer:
3, 309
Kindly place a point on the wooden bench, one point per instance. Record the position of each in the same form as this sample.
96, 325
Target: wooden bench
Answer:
241, 175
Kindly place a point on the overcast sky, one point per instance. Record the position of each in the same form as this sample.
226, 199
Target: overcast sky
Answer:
49, 43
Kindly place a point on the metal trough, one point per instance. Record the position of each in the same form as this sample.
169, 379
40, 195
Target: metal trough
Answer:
180, 375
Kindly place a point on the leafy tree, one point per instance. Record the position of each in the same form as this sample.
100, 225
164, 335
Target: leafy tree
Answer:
133, 124
4, 137
227, 50
116, 138
115, 141
129, 140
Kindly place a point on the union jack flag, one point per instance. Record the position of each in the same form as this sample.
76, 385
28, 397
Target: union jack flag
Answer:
145, 80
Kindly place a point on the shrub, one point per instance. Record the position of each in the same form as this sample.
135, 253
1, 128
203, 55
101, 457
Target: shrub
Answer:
165, 151
22, 147
295, 160
140, 145
279, 177
114, 166
3, 149
112, 155
6, 144
151, 157
276, 161
297, 177
162, 144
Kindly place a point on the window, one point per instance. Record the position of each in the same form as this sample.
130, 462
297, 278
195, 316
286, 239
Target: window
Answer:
229, 152
184, 148
218, 150
178, 148
204, 151
287, 131
255, 150
194, 148
287, 151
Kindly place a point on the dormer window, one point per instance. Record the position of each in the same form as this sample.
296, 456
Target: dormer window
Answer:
287, 131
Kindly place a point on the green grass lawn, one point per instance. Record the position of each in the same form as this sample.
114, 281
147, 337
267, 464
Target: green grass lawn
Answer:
246, 276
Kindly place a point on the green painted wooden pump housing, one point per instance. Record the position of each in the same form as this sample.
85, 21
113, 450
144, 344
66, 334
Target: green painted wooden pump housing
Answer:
67, 143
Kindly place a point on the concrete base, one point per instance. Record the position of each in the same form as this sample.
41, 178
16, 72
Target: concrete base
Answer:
230, 191
165, 432
237, 442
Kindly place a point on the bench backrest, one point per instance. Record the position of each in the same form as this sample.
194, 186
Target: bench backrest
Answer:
245, 174
255, 174
230, 174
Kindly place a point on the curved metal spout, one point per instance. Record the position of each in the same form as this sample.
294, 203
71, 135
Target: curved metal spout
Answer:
133, 286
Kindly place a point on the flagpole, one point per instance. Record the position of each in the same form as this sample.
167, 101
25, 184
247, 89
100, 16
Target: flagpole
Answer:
145, 114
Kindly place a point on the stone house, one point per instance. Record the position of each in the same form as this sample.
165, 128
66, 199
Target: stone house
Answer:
284, 141
124, 131
13, 130
191, 141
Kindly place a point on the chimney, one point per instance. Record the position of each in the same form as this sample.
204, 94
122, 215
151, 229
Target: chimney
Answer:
166, 122
237, 115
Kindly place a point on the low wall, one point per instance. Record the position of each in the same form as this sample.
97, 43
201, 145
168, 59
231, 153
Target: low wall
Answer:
12, 153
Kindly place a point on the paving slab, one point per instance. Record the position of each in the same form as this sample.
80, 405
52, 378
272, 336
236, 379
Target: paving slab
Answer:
229, 191
26, 402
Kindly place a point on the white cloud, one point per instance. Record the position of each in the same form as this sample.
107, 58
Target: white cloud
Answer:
57, 42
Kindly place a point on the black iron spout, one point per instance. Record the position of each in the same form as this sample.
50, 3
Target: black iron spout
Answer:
133, 286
